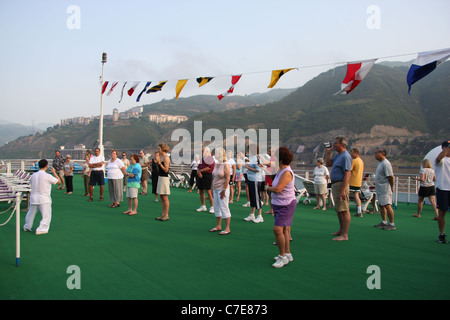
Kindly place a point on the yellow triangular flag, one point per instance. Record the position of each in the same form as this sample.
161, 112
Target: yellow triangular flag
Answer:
276, 75
179, 87
204, 80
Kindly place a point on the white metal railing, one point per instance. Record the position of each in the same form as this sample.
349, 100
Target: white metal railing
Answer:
405, 189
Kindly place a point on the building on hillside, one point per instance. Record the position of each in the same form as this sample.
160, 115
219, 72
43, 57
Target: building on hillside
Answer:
164, 118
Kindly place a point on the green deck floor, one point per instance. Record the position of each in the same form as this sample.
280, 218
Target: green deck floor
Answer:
137, 257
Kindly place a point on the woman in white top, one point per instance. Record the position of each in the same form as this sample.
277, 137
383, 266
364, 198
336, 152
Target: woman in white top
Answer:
427, 188
321, 176
193, 177
116, 170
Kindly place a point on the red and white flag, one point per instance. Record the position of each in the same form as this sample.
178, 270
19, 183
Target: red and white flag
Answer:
356, 72
234, 80
114, 84
133, 87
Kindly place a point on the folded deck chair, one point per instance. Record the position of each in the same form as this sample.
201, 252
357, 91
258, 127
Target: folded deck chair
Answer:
310, 193
175, 181
186, 177
367, 197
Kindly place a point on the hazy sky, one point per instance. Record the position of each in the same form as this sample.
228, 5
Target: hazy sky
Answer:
50, 56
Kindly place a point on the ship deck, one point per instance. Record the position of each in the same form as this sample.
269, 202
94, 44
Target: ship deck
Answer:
136, 257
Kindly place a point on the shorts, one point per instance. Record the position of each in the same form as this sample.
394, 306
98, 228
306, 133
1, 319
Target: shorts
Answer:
97, 178
442, 199
204, 183
163, 187
320, 188
340, 205
284, 214
427, 191
384, 199
144, 175
132, 192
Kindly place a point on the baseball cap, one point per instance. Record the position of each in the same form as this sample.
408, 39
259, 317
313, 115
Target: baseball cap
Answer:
445, 144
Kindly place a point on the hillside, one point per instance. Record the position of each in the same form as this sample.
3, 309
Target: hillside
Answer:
199, 104
378, 112
132, 133
11, 131
381, 99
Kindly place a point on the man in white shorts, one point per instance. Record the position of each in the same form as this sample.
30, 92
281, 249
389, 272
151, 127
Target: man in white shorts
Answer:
384, 184
40, 199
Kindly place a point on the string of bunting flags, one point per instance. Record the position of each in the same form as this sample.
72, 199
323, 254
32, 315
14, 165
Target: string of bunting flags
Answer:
423, 65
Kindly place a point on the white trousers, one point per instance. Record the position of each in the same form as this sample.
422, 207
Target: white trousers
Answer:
221, 208
46, 211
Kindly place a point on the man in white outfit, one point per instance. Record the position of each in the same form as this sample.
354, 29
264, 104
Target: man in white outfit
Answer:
40, 199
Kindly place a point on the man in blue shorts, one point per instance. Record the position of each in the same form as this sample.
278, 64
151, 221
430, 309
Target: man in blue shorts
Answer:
443, 187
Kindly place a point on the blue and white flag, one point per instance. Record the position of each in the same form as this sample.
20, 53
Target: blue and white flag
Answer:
140, 94
424, 64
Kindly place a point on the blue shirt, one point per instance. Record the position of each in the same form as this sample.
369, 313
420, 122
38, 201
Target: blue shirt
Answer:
134, 182
252, 175
341, 163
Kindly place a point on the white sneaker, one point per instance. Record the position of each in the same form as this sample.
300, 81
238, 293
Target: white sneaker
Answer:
211, 210
41, 232
202, 208
258, 220
287, 255
26, 229
251, 217
247, 205
281, 262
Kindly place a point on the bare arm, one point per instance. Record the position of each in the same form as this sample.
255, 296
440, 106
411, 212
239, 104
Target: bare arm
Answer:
345, 184
442, 154
328, 161
282, 183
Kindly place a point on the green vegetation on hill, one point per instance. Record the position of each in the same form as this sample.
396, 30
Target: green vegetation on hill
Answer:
192, 106
381, 99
